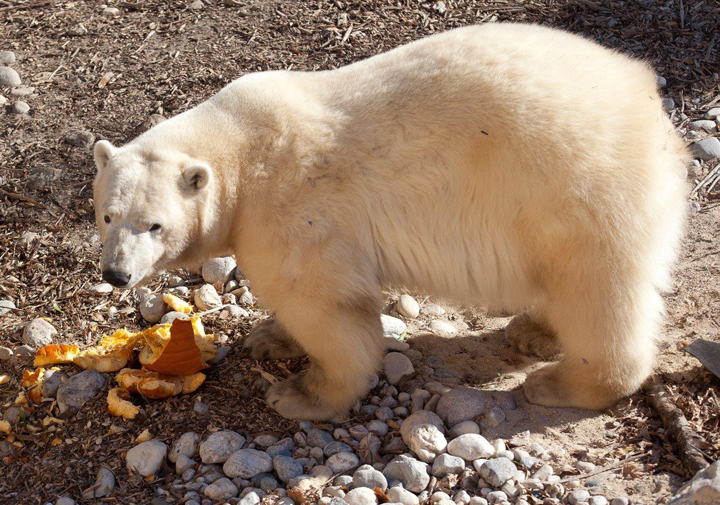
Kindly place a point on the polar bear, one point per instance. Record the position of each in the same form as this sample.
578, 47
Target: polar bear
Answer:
506, 165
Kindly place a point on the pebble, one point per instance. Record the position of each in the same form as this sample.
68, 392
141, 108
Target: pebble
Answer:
578, 496
446, 464
464, 428
367, 476
222, 353
221, 489
6, 306
146, 458
496, 497
498, 471
597, 500
703, 124
494, 417
247, 463
38, 333
713, 113
432, 309
399, 495
360, 496
397, 366
80, 138
287, 468
392, 325
478, 500
186, 446
668, 103
236, 312
584, 466
378, 427
219, 446
422, 432
335, 447
78, 389
111, 11
5, 353
200, 407
20, 107
22, 91
207, 298
104, 483
442, 327
460, 404
707, 149
153, 308
413, 474
7, 57
471, 447
24, 351
624, 501
100, 289
219, 270
183, 464
408, 306
661, 81
172, 316
9, 77
319, 438
462, 496
543, 473
419, 397
342, 462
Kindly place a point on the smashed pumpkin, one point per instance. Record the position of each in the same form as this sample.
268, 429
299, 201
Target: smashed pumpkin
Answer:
55, 354
155, 385
177, 304
119, 405
180, 348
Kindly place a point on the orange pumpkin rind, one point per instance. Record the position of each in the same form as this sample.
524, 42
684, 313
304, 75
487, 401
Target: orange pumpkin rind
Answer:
55, 354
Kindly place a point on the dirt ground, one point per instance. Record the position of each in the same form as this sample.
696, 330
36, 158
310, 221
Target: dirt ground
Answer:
114, 75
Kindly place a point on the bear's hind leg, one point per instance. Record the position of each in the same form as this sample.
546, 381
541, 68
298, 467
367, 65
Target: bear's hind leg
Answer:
270, 340
530, 335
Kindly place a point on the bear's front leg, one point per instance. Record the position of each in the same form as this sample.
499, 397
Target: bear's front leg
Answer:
345, 346
270, 340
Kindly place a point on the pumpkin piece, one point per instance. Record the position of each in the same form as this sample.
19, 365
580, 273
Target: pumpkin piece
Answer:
54, 354
118, 404
111, 354
192, 382
180, 354
177, 304
32, 378
5, 427
155, 386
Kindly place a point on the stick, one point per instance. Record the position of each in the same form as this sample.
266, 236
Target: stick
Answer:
604, 469
677, 426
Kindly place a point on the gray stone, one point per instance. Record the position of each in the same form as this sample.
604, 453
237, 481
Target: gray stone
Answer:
578, 496
38, 333
207, 298
419, 397
9, 77
236, 312
266, 440
703, 124
80, 138
51, 383
703, 488
342, 462
461, 404
367, 476
221, 489
22, 91
247, 463
622, 501
24, 351
397, 366
153, 308
146, 458
399, 495
493, 418
20, 107
104, 483
219, 446
319, 438
6, 306
78, 389
470, 447
222, 353
172, 316
498, 471
413, 474
5, 353
432, 309
186, 445
464, 428
361, 496
183, 464
378, 427
65, 500
7, 57
446, 464
422, 432
408, 306
392, 325
335, 447
287, 468
668, 103
713, 113
707, 149
100, 289
219, 270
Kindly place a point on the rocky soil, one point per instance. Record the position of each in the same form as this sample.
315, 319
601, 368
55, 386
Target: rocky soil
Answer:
446, 421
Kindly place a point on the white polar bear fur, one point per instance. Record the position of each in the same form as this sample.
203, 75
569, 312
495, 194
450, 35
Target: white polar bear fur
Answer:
512, 166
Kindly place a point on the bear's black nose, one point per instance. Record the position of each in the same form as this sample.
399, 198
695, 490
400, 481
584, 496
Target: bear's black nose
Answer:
117, 279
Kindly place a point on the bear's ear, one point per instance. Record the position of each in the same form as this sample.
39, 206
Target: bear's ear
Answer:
197, 176
103, 151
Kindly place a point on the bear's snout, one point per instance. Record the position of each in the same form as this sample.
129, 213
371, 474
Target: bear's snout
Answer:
117, 279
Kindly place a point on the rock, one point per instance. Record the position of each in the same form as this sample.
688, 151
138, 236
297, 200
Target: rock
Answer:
236, 312
219, 446
378, 427
183, 464
668, 103
713, 113
707, 149
197, 5
335, 447
703, 488
422, 432
703, 124
104, 483
462, 497
493, 418
38, 333
543, 473
584, 466
247, 463
152, 308
221, 489
222, 353
111, 11
402, 496
408, 306
446, 464
392, 325
5, 353
20, 107
498, 471
9, 77
186, 445
24, 351
471, 447
207, 298
65, 500
319, 438
146, 458
51, 383
597, 500
100, 289
578, 496
7, 57
463, 428
22, 91
397, 366
287, 468
172, 316
625, 501
432, 309
419, 397
478, 500
412, 473
442, 327
219, 270
361, 496
661, 81
393, 344
80, 138
460, 404
6, 306
367, 476
342, 462
78, 389
250, 498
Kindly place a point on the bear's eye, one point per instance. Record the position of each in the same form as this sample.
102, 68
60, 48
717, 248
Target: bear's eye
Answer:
155, 227
107, 219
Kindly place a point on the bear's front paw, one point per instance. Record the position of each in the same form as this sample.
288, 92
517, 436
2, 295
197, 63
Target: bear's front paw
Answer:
291, 398
269, 340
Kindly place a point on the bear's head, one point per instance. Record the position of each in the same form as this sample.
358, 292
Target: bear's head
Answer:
150, 208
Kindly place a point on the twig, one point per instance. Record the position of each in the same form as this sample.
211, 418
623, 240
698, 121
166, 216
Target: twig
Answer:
677, 426
706, 179
18, 196
604, 469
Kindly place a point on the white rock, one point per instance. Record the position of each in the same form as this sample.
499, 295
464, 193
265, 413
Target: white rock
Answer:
20, 107
104, 483
186, 445
408, 306
152, 308
422, 432
703, 124
219, 270
100, 289
713, 113
146, 458
392, 325
9, 77
6, 305
707, 149
207, 298
703, 488
446, 464
470, 447
498, 471
413, 474
38, 333
247, 463
661, 81
432, 309
403, 496
584, 466
218, 447
464, 428
5, 353
442, 327
221, 489
7, 57
342, 462
597, 500
236, 312
397, 366
361, 496
111, 11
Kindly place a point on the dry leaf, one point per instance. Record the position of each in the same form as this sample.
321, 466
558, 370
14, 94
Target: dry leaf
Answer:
265, 375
